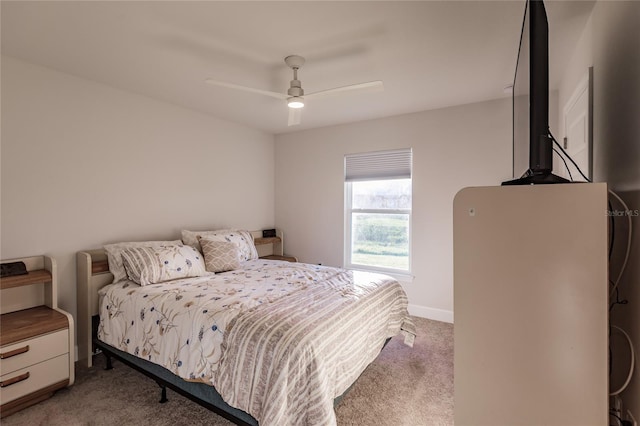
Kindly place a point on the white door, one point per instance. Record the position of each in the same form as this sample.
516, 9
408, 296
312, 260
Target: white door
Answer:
577, 131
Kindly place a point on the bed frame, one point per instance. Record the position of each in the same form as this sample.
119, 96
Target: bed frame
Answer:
93, 274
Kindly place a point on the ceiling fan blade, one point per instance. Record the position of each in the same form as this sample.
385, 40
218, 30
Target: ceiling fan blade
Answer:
247, 89
295, 115
372, 86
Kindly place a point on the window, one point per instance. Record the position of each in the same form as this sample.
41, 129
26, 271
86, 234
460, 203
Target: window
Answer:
378, 211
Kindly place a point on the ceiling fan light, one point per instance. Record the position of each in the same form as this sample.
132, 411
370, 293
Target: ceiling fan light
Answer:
295, 102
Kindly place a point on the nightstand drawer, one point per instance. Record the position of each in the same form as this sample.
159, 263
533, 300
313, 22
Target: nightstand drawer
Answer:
35, 377
32, 351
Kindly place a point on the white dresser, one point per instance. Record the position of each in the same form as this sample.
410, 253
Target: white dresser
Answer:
36, 337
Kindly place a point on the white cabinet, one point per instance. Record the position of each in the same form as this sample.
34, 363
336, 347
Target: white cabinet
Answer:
530, 305
36, 337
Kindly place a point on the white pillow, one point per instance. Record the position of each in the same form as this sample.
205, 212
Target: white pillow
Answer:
240, 238
114, 255
152, 265
220, 256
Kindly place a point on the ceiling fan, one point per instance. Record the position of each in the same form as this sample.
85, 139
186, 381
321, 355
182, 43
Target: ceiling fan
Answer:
295, 96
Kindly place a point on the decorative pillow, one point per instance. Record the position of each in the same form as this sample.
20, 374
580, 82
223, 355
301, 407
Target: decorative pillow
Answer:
220, 256
152, 265
240, 238
114, 255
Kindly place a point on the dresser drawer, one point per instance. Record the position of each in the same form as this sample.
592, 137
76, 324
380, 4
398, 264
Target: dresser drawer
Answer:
36, 377
32, 351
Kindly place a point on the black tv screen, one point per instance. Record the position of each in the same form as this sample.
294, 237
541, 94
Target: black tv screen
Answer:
531, 102
520, 99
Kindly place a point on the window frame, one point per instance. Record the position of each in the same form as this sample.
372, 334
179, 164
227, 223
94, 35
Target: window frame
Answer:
402, 274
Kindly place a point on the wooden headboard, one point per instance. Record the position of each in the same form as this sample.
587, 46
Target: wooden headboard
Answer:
93, 274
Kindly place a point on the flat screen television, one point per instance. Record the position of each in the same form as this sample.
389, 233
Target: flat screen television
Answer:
531, 98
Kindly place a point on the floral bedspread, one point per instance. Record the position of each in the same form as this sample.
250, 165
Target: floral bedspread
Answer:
278, 340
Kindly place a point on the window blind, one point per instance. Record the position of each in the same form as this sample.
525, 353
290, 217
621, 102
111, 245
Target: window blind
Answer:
395, 164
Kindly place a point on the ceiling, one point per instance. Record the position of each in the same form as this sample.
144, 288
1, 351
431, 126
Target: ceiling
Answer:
429, 54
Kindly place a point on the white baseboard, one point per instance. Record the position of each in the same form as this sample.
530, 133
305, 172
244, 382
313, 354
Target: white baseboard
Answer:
431, 313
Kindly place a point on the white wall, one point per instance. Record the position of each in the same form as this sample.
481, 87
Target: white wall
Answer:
469, 145
84, 164
616, 63
611, 44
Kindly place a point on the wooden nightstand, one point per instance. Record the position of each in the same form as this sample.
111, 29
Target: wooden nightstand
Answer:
277, 257
271, 247
36, 337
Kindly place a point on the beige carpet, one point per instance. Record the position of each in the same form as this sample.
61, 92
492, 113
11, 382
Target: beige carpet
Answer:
403, 386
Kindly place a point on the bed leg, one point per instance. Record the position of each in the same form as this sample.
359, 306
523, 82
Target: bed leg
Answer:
163, 396
109, 364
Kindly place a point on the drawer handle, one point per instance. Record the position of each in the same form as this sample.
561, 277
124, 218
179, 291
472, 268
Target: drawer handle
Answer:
14, 352
14, 380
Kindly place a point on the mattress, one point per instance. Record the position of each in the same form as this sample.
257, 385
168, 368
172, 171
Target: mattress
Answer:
278, 340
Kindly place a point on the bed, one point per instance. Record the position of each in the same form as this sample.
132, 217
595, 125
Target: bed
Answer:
267, 342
